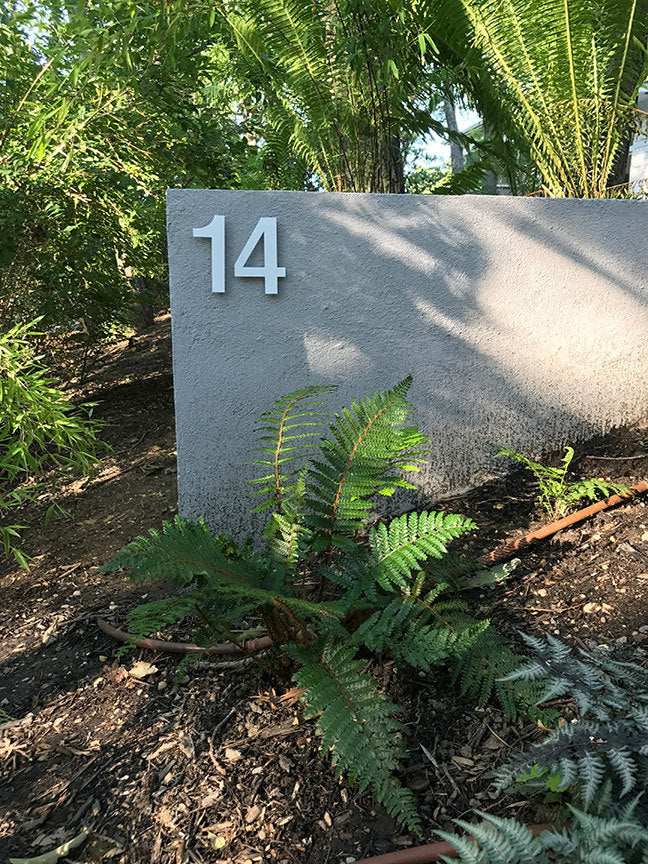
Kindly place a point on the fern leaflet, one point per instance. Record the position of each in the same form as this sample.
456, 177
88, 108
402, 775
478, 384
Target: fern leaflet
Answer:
289, 429
368, 443
356, 723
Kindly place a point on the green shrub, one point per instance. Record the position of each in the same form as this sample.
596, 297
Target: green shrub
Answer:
41, 432
556, 494
327, 588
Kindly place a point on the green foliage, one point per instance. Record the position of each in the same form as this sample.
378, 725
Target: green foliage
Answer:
368, 444
559, 78
386, 585
556, 494
607, 745
41, 432
488, 669
347, 88
104, 104
356, 722
589, 839
599, 761
289, 429
400, 548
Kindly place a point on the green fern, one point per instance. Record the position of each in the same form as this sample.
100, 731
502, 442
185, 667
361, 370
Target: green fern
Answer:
481, 673
607, 745
185, 553
289, 429
400, 547
357, 724
387, 584
556, 494
419, 631
150, 617
369, 443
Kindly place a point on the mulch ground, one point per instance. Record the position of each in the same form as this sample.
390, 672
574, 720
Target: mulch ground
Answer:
223, 767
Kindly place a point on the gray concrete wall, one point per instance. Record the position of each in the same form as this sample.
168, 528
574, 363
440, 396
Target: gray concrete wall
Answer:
524, 323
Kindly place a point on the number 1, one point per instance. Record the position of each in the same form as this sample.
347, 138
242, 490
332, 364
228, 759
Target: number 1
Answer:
216, 231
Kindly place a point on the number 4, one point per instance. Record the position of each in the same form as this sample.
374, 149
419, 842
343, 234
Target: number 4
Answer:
266, 227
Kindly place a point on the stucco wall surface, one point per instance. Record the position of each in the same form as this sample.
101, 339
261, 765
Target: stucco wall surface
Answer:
524, 323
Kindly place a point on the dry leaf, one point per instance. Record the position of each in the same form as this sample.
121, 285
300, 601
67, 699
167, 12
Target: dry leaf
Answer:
142, 669
252, 813
53, 856
232, 755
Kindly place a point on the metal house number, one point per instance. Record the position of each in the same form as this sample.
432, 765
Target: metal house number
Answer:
266, 227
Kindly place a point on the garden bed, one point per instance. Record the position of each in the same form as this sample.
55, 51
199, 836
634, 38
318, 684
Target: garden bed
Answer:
225, 768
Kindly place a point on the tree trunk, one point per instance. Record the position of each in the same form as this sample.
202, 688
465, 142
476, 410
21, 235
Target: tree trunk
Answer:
456, 150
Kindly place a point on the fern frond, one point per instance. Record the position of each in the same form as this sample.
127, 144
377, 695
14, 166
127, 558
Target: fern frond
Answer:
150, 617
419, 631
556, 494
600, 684
399, 548
286, 537
485, 670
184, 552
588, 839
180, 551
356, 723
502, 841
368, 444
608, 746
593, 839
289, 429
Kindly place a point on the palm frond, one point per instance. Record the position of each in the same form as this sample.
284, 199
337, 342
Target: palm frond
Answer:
562, 75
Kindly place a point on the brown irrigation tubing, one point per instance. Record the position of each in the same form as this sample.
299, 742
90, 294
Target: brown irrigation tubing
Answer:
502, 553
251, 645
430, 853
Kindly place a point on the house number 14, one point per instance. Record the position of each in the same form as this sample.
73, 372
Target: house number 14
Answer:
266, 227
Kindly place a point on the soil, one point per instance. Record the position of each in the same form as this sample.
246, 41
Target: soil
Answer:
222, 767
